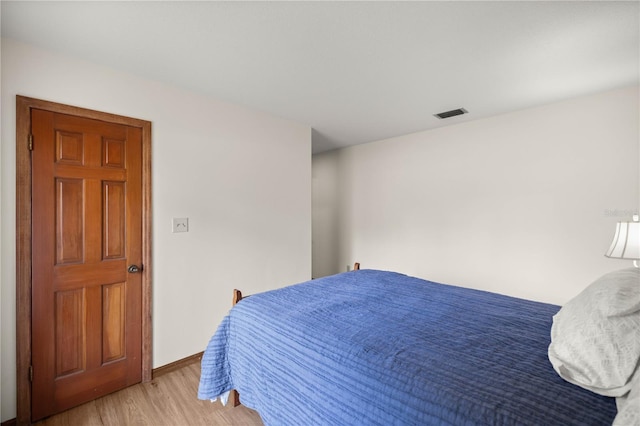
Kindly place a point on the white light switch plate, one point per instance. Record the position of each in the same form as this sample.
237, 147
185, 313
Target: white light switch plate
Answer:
180, 224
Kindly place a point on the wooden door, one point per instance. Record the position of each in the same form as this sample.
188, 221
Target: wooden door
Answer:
86, 234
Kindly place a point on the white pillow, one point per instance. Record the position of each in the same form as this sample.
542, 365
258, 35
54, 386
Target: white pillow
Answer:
595, 337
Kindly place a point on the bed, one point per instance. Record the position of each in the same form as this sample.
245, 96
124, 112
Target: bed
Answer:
375, 347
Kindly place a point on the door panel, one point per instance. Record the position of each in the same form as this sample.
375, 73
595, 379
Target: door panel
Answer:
70, 334
113, 213
113, 322
87, 229
69, 221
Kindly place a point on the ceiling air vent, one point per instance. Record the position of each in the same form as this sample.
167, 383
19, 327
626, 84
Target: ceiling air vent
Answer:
452, 113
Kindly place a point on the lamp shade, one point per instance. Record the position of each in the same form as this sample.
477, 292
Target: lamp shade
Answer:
626, 241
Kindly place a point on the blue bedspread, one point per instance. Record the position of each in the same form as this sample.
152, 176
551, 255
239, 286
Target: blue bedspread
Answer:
380, 348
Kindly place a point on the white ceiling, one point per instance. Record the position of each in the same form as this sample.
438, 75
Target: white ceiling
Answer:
355, 72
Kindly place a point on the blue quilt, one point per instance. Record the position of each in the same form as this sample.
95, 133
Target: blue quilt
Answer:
380, 348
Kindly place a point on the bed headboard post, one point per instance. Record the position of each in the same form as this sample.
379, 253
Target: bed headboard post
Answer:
356, 266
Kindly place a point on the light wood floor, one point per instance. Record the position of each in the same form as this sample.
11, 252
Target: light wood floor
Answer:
170, 399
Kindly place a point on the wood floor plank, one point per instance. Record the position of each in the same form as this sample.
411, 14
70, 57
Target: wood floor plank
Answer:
131, 406
86, 414
170, 400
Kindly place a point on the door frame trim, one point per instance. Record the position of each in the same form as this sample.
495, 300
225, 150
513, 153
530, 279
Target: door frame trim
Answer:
24, 105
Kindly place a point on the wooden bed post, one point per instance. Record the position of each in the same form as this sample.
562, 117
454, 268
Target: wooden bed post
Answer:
234, 396
356, 266
237, 296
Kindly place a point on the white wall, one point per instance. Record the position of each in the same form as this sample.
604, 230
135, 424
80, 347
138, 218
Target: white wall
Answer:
242, 177
523, 203
326, 181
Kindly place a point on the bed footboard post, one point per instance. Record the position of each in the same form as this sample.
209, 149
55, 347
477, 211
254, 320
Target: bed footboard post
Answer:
234, 396
237, 296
